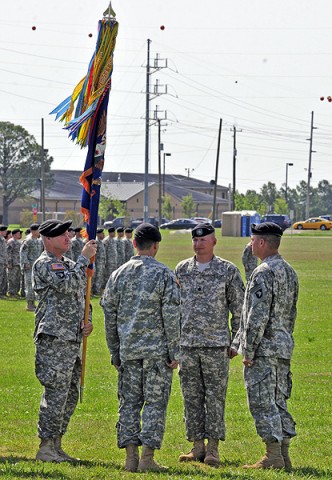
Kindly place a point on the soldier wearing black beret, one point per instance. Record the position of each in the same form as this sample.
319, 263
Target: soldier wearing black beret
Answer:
265, 339
120, 247
60, 286
77, 244
3, 260
100, 260
211, 290
128, 244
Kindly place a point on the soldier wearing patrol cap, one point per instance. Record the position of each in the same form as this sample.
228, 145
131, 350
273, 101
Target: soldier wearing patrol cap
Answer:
142, 323
60, 286
14, 270
128, 244
30, 250
98, 274
265, 339
77, 244
211, 288
3, 260
120, 248
110, 255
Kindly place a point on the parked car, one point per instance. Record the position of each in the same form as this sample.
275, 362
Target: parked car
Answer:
117, 222
201, 220
217, 223
326, 217
138, 221
315, 223
179, 224
282, 220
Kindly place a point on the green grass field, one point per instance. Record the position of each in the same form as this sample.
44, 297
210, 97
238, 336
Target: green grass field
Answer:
92, 435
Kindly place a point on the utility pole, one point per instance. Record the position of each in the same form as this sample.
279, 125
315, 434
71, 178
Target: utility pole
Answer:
216, 175
147, 135
42, 173
311, 151
160, 148
234, 165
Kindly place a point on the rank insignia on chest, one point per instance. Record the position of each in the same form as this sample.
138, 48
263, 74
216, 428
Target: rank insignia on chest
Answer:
56, 267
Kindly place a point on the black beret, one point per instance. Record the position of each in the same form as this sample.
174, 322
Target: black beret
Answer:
16, 230
120, 229
146, 231
202, 229
27, 231
3, 228
266, 228
111, 229
70, 229
128, 230
9, 231
54, 228
100, 230
34, 226
77, 229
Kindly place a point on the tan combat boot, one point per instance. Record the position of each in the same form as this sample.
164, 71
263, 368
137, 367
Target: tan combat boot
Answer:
196, 454
64, 455
132, 458
284, 452
47, 451
212, 455
147, 463
271, 459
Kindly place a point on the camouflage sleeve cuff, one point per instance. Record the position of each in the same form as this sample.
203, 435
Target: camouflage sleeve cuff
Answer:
83, 260
115, 360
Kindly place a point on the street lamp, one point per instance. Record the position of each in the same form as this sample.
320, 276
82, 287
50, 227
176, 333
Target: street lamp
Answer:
287, 165
165, 155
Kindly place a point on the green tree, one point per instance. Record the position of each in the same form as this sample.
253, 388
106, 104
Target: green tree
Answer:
26, 218
76, 217
280, 206
110, 205
251, 200
167, 209
188, 206
20, 164
269, 194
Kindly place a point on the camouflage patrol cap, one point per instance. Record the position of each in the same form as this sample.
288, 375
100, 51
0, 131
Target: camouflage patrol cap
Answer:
202, 229
266, 228
54, 228
146, 231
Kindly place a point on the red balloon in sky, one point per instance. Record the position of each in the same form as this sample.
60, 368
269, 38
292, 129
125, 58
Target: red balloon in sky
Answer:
34, 28
90, 35
162, 27
321, 98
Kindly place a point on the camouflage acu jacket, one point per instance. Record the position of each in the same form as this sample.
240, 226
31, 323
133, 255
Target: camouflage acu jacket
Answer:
207, 298
269, 311
142, 315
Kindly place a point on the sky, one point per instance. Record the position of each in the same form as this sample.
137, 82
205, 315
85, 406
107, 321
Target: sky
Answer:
261, 66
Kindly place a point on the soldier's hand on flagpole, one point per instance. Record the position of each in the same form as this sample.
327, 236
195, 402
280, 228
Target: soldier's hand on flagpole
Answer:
89, 249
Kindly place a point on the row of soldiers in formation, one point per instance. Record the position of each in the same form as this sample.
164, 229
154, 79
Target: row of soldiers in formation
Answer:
18, 255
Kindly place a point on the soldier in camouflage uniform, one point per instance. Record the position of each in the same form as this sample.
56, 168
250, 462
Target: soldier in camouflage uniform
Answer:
3, 260
60, 286
31, 248
14, 269
265, 339
77, 244
98, 275
211, 288
110, 254
120, 247
249, 261
142, 323
71, 235
128, 244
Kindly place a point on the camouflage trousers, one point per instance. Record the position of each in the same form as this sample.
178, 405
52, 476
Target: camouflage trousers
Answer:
14, 280
144, 387
29, 293
269, 384
3, 280
98, 279
204, 379
108, 270
58, 368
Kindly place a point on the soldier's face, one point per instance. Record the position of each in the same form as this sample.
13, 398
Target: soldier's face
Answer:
256, 245
60, 244
204, 245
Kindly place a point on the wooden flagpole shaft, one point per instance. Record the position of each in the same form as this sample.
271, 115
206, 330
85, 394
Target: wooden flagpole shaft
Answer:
85, 339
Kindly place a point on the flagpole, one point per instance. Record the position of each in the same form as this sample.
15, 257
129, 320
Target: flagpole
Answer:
85, 339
